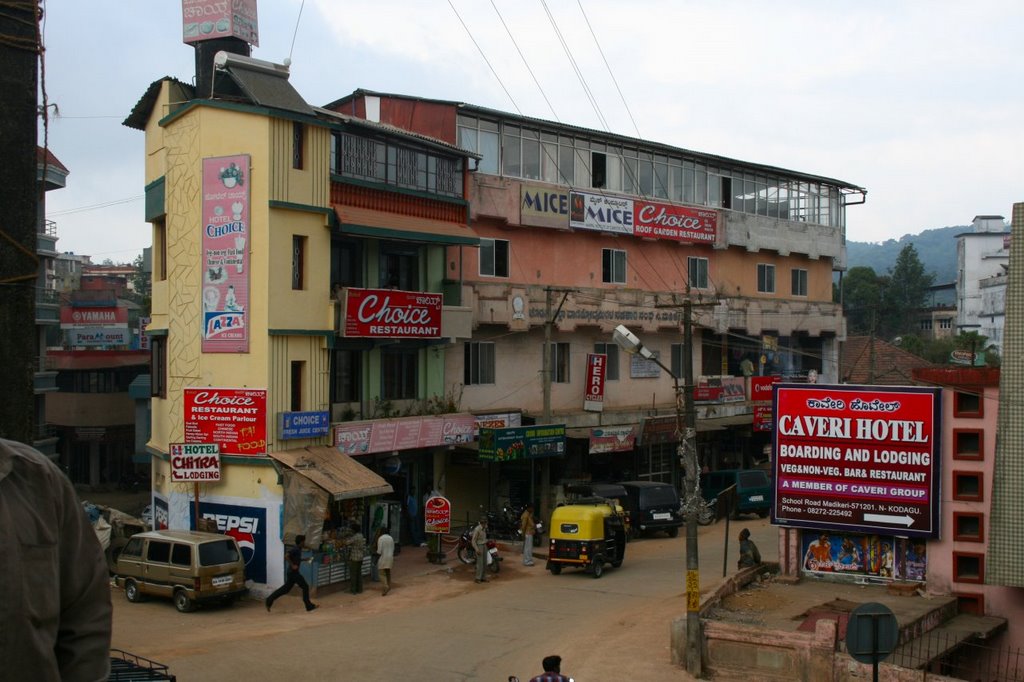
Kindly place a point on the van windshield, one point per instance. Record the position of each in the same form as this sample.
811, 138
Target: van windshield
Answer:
660, 496
753, 479
217, 552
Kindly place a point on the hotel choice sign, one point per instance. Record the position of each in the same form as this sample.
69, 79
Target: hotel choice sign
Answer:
857, 458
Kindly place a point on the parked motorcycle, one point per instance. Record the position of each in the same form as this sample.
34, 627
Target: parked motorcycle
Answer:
467, 553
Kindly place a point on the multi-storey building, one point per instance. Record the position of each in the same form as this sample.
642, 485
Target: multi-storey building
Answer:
582, 230
982, 258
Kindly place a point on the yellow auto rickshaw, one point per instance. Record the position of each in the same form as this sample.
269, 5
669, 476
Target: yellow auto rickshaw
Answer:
587, 534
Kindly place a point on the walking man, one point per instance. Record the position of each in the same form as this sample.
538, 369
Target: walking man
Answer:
552, 671
479, 539
385, 558
294, 577
528, 525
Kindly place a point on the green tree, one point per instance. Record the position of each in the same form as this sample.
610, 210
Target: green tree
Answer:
862, 296
142, 284
905, 295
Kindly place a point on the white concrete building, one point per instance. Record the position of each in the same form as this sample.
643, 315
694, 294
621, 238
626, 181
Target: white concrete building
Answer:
983, 256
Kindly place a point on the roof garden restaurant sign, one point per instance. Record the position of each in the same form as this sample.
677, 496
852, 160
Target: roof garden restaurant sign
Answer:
675, 223
391, 314
225, 269
525, 442
857, 458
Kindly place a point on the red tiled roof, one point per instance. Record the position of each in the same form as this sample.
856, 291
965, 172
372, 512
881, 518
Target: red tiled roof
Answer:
51, 160
893, 366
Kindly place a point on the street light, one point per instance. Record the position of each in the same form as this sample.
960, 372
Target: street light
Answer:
687, 456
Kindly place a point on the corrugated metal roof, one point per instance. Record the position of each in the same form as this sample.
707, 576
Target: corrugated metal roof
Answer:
619, 139
339, 474
394, 131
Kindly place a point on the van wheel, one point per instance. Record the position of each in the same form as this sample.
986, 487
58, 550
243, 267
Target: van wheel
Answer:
131, 591
182, 602
673, 532
598, 568
555, 568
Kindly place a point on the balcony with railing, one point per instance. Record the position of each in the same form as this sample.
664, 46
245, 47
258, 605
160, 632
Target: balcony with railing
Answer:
47, 306
46, 239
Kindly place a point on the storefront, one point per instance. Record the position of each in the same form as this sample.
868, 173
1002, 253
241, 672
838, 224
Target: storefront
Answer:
325, 493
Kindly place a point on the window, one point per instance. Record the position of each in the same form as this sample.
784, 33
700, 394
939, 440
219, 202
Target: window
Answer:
133, 548
560, 363
678, 361
159, 250
598, 170
478, 363
382, 162
181, 555
218, 553
946, 323
347, 375
971, 603
494, 257
697, 271
968, 567
480, 136
765, 278
296, 393
925, 324
346, 264
298, 261
967, 444
969, 486
399, 267
968, 404
297, 135
399, 373
613, 266
968, 527
158, 366
611, 366
799, 282
159, 551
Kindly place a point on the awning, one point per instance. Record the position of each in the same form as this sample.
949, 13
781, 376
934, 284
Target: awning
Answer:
337, 473
368, 222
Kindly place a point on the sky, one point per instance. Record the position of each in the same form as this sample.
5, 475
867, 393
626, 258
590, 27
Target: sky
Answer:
920, 102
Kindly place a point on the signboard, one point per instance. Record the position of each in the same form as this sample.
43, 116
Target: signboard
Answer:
233, 418
225, 254
392, 314
612, 439
437, 515
501, 420
291, 425
207, 19
525, 442
719, 389
248, 526
761, 387
593, 398
143, 336
642, 368
675, 223
857, 457
878, 556
100, 316
541, 206
601, 212
99, 336
762, 417
388, 435
195, 462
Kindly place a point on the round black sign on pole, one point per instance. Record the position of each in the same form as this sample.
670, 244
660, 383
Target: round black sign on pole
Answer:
871, 634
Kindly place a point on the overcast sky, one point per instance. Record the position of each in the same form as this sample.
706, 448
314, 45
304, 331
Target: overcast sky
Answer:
922, 103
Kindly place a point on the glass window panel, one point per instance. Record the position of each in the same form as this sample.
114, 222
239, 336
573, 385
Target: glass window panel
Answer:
613, 172
488, 148
511, 156
582, 168
630, 175
762, 196
531, 156
468, 138
566, 166
661, 181
491, 126
701, 185
549, 162
646, 177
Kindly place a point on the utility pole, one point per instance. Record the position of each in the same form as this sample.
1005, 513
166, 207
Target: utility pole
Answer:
693, 502
545, 467
19, 193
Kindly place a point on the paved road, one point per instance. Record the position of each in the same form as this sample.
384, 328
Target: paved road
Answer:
437, 624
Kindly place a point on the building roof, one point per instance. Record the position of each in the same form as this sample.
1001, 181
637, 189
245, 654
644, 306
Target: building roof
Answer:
893, 366
50, 159
142, 110
262, 83
711, 158
387, 129
954, 377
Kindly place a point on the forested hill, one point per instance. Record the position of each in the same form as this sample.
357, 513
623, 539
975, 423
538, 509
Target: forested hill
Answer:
935, 248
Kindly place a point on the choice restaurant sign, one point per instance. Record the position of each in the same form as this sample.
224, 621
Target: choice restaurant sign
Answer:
858, 458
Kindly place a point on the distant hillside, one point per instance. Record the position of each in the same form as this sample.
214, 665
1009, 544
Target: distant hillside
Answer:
936, 249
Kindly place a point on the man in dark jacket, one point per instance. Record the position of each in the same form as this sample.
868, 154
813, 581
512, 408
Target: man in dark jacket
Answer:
55, 592
294, 576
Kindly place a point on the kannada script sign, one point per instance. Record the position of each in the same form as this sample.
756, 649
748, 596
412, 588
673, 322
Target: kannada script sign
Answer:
860, 458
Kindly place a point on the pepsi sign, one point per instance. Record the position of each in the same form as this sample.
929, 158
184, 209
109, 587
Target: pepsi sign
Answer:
248, 526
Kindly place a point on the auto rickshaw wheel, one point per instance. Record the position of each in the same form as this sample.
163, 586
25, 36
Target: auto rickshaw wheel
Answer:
555, 568
598, 568
673, 532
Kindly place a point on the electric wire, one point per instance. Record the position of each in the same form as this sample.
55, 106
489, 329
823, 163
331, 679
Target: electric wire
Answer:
484, 56
295, 33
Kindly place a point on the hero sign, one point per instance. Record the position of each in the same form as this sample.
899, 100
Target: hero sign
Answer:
862, 458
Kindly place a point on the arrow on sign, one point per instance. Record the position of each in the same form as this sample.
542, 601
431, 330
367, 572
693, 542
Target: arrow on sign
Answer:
882, 518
